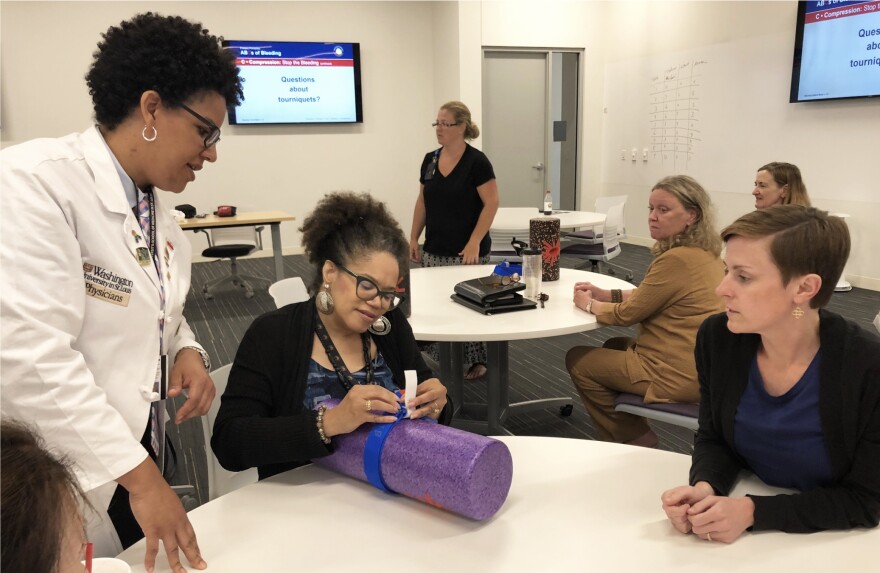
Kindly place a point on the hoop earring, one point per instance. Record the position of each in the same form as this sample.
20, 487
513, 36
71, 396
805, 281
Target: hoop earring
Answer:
324, 300
380, 327
144, 133
798, 312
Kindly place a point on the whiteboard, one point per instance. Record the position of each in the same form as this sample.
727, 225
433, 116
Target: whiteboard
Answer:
719, 112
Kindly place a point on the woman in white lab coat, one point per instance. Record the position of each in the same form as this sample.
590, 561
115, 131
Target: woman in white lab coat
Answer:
92, 296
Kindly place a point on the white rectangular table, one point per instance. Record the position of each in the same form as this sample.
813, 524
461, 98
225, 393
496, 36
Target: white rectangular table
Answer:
271, 218
574, 505
435, 317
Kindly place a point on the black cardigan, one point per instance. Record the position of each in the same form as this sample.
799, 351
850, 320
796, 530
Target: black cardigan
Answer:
849, 410
262, 421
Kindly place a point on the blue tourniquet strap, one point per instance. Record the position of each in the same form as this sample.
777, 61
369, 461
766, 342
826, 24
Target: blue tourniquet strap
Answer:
373, 449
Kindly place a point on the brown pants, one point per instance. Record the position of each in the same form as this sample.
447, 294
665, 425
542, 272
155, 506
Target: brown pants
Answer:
600, 374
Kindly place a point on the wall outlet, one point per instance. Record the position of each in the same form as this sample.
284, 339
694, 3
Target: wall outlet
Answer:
623, 154
645, 154
635, 153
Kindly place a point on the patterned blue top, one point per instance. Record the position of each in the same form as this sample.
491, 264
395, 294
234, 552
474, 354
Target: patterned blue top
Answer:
780, 437
324, 384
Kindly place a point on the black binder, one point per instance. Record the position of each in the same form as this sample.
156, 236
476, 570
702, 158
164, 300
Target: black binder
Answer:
489, 295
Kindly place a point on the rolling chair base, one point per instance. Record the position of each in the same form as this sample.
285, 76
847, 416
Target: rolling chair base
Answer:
238, 280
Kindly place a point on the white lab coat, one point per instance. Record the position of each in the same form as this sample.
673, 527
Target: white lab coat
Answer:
78, 361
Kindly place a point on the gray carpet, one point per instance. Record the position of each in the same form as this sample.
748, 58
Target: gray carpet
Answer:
537, 368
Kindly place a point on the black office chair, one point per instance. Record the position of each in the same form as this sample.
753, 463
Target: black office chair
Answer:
232, 243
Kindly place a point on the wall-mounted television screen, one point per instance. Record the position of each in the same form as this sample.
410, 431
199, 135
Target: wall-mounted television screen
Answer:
837, 50
297, 82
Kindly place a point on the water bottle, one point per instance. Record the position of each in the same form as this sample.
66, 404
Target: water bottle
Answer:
532, 271
548, 202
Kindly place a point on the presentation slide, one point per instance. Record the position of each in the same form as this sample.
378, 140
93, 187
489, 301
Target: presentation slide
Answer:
296, 82
841, 50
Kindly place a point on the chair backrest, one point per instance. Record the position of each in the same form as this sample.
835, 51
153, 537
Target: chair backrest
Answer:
288, 291
220, 480
610, 238
603, 204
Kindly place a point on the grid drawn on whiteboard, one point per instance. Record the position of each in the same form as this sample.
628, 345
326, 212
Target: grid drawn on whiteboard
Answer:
675, 114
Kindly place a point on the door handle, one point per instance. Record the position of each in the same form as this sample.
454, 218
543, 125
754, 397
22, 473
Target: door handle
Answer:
538, 167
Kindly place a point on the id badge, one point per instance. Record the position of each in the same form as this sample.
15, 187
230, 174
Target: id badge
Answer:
143, 256
162, 374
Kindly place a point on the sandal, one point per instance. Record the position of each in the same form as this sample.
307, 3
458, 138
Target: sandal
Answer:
476, 371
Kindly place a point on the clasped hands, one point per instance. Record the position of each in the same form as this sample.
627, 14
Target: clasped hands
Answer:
584, 292
378, 405
711, 517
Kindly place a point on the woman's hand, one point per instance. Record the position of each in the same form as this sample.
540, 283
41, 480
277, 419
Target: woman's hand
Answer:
414, 251
188, 373
470, 254
723, 519
677, 501
161, 516
600, 294
362, 404
582, 299
429, 401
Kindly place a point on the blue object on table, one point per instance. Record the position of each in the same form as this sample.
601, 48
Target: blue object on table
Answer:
505, 269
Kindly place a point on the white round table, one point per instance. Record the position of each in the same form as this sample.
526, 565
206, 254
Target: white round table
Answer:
574, 505
435, 317
513, 223
512, 219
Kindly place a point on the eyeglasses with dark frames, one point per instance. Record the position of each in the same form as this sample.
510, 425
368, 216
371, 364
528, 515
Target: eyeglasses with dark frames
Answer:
444, 124
499, 281
366, 290
214, 131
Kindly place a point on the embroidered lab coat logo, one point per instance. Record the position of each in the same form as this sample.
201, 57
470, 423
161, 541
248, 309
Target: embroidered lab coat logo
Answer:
104, 284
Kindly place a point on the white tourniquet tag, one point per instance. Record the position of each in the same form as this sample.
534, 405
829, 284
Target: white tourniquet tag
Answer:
412, 382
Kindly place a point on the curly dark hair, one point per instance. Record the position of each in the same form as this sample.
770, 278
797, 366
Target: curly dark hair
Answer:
168, 54
345, 226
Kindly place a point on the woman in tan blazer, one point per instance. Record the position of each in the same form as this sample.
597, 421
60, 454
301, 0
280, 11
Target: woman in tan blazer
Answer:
669, 305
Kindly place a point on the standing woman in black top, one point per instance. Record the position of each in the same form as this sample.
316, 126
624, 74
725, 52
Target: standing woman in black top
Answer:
458, 198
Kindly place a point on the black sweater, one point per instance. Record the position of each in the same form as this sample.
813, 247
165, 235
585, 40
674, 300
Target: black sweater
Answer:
262, 421
849, 410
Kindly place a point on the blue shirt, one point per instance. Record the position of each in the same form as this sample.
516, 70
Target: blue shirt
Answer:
780, 437
324, 384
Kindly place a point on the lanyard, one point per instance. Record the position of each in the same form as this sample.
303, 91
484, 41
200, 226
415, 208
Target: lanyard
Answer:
154, 253
342, 372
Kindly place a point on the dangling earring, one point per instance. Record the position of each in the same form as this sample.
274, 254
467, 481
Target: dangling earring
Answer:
324, 300
144, 133
381, 327
797, 312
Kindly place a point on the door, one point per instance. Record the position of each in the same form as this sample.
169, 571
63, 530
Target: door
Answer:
515, 124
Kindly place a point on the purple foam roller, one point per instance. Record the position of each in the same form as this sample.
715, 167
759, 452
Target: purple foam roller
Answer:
458, 471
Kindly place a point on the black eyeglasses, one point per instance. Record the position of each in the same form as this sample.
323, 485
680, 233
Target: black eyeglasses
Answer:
444, 124
214, 133
367, 290
499, 281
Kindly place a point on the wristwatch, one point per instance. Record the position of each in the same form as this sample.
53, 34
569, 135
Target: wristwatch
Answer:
206, 360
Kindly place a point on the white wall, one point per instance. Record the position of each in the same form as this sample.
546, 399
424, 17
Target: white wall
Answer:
834, 143
418, 55
259, 168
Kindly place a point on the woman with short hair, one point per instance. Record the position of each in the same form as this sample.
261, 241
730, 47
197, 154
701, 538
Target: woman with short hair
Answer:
788, 390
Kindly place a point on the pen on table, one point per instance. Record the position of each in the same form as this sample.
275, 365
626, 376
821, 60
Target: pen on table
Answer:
90, 548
